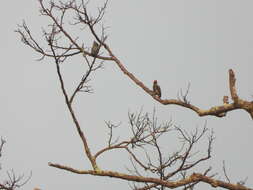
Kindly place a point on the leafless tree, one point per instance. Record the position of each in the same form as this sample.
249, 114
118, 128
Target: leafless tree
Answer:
13, 181
165, 170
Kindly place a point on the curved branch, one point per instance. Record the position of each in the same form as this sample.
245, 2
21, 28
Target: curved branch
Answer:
218, 111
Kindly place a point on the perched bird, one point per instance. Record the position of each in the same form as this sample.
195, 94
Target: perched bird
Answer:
157, 89
95, 49
225, 100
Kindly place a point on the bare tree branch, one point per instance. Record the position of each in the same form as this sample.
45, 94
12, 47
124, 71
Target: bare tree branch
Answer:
167, 170
13, 181
195, 177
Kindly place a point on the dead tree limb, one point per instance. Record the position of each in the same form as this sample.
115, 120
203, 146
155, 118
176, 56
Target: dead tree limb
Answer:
195, 177
170, 171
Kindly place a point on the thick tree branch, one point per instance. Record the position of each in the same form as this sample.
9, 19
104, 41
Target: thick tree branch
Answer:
218, 111
195, 177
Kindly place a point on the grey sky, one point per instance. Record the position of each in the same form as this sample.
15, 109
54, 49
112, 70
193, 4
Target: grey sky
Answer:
175, 42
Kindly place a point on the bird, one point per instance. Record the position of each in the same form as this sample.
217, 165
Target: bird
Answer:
225, 100
157, 89
95, 49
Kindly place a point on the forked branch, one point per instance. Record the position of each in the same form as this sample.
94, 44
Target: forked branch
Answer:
145, 131
195, 177
218, 111
74, 48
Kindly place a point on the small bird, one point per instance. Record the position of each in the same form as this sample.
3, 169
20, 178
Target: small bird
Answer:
95, 49
157, 89
225, 100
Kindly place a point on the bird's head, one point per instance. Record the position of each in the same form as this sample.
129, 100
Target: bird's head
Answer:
155, 81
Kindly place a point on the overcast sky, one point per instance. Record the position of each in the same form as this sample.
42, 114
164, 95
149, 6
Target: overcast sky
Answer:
176, 42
